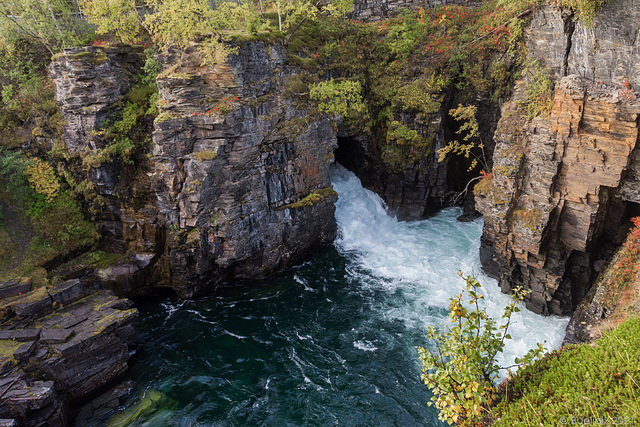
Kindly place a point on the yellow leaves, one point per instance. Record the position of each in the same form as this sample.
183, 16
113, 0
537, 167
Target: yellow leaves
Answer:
338, 98
457, 309
118, 16
42, 178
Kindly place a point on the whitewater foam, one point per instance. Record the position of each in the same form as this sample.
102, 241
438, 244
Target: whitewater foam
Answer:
417, 264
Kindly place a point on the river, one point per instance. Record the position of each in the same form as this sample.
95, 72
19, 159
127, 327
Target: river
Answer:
330, 342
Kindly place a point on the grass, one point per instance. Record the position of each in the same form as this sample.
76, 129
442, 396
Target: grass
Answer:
312, 198
599, 381
205, 155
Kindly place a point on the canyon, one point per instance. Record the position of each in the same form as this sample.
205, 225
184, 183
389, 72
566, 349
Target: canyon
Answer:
232, 183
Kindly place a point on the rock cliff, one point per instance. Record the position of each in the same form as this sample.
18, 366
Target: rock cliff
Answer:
241, 171
236, 181
563, 186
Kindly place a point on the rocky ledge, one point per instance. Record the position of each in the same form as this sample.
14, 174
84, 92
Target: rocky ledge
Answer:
59, 347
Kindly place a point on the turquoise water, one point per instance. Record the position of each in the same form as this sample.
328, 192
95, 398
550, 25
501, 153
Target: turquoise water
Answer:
330, 342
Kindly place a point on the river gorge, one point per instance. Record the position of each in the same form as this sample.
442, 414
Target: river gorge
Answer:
329, 342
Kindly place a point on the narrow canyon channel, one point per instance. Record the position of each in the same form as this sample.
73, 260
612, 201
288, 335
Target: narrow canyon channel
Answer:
330, 342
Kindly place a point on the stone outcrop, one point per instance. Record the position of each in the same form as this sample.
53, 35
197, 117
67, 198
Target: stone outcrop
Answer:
236, 184
564, 187
242, 172
412, 190
376, 10
556, 196
605, 51
90, 85
59, 347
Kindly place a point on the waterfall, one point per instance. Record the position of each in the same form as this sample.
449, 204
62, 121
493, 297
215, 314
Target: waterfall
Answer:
417, 264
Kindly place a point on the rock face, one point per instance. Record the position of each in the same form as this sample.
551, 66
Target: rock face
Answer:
90, 84
606, 51
414, 190
236, 184
375, 10
564, 186
556, 196
61, 346
242, 172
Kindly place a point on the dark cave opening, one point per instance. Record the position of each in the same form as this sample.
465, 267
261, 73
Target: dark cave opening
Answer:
354, 152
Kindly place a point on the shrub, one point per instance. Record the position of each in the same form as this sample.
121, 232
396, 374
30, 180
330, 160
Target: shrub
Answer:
461, 368
124, 132
42, 178
538, 92
586, 8
338, 98
50, 211
470, 131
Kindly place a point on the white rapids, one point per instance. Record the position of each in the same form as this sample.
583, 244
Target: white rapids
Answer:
418, 262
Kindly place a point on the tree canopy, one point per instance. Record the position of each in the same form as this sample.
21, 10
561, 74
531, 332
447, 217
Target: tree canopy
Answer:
178, 22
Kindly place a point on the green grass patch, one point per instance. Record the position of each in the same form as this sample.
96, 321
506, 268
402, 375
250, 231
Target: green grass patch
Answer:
205, 155
312, 198
599, 381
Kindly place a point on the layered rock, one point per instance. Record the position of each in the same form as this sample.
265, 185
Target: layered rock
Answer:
242, 171
415, 184
556, 194
375, 10
61, 346
91, 83
563, 187
236, 184
605, 50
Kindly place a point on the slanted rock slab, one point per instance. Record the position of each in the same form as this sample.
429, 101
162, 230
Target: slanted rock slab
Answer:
55, 336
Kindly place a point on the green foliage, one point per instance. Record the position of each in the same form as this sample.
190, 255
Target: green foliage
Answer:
405, 37
42, 178
180, 22
405, 146
312, 198
598, 382
461, 368
54, 24
27, 93
52, 212
470, 129
117, 17
338, 98
407, 64
424, 94
151, 69
538, 93
292, 12
124, 133
175, 22
586, 8
338, 8
402, 135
